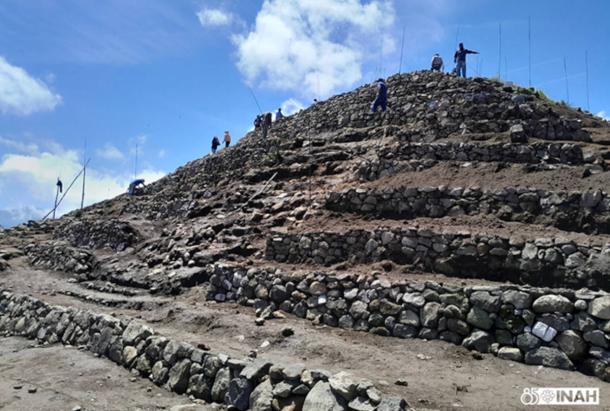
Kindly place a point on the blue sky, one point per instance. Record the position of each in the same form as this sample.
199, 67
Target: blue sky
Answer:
167, 75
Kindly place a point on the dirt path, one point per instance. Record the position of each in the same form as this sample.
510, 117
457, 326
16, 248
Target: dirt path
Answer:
434, 370
65, 378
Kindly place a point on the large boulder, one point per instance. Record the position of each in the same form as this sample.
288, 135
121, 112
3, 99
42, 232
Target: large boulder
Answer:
600, 308
549, 357
552, 303
238, 394
322, 398
261, 397
572, 344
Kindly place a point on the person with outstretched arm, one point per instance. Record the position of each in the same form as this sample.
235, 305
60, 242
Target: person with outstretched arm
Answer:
459, 58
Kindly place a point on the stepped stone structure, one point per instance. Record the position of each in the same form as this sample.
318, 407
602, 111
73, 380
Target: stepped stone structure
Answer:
470, 221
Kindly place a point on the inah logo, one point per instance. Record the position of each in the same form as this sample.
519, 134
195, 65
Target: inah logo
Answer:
560, 396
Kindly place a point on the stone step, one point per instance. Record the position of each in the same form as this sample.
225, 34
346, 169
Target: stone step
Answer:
552, 153
587, 212
555, 328
182, 368
536, 261
415, 156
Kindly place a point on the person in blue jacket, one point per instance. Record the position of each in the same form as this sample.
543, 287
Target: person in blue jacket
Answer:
134, 185
381, 100
459, 58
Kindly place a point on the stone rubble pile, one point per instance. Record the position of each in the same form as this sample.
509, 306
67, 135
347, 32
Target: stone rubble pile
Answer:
59, 256
180, 367
587, 212
555, 328
542, 262
98, 233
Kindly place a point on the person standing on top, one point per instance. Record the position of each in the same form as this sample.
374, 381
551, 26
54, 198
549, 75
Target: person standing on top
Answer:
459, 58
279, 115
381, 100
437, 63
257, 122
215, 144
60, 185
227, 139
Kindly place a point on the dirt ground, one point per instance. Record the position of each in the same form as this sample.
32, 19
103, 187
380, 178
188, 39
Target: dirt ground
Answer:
439, 375
54, 377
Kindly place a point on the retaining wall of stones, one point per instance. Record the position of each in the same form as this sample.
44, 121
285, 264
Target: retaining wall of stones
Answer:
541, 262
587, 212
415, 156
59, 256
553, 153
111, 233
430, 106
180, 367
502, 320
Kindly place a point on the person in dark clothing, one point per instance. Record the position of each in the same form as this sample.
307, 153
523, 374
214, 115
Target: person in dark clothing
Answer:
459, 58
381, 100
60, 185
257, 122
215, 144
134, 185
437, 63
268, 119
279, 115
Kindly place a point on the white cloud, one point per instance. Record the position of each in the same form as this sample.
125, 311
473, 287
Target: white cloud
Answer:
603, 115
33, 177
22, 94
292, 106
9, 218
110, 152
20, 146
314, 47
214, 17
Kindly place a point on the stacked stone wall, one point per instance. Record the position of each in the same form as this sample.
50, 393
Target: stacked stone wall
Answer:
587, 212
538, 326
544, 262
182, 368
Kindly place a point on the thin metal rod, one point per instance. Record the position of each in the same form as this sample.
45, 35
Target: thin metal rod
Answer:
587, 77
82, 198
499, 50
565, 72
135, 166
65, 192
529, 48
55, 204
402, 47
255, 100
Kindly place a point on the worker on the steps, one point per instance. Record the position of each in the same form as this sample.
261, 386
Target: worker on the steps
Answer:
215, 144
134, 185
227, 139
381, 100
60, 185
279, 115
459, 58
266, 123
437, 63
